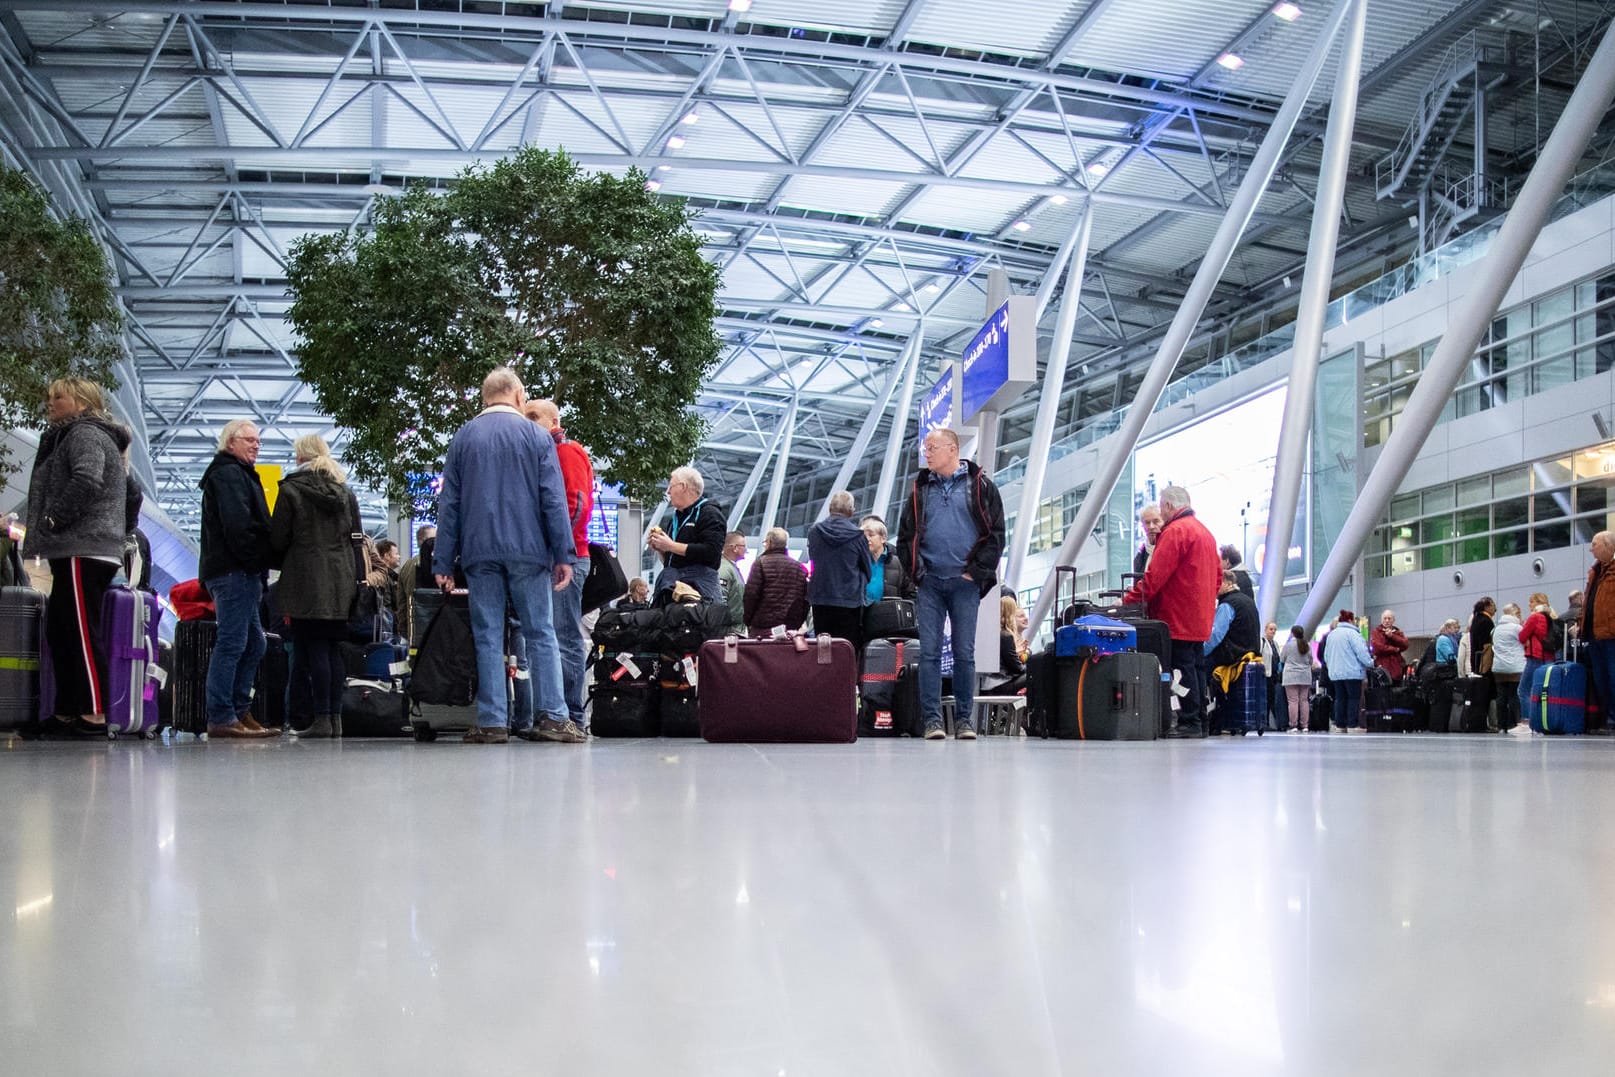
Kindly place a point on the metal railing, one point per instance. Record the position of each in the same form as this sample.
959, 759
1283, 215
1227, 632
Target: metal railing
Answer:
1463, 54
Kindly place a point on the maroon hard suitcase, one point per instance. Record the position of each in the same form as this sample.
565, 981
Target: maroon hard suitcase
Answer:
791, 690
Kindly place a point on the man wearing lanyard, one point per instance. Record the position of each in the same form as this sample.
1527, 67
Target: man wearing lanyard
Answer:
693, 545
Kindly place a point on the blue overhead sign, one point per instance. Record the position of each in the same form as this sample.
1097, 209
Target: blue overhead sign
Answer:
937, 410
1001, 360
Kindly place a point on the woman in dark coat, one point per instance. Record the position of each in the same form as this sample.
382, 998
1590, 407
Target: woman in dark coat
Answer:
888, 580
311, 533
1480, 638
76, 521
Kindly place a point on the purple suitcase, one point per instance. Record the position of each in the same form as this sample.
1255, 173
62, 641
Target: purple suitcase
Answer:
129, 631
787, 691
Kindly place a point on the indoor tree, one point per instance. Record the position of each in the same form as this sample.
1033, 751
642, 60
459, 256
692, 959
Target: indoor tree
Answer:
58, 311
593, 289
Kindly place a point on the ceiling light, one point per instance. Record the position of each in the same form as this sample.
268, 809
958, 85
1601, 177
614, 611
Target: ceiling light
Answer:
1058, 199
676, 142
904, 307
739, 5
1023, 226
1098, 170
1232, 61
690, 117
1287, 282
664, 168
653, 185
1286, 11
933, 287
877, 323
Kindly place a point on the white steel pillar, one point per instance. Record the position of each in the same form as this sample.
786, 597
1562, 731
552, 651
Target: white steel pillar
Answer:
892, 466
1194, 303
782, 462
754, 480
1048, 405
1441, 375
866, 433
1291, 463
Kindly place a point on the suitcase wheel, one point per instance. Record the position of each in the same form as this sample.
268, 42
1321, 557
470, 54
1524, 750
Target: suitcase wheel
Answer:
424, 734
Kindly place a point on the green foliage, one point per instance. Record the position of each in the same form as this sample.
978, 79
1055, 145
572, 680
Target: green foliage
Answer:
590, 288
58, 312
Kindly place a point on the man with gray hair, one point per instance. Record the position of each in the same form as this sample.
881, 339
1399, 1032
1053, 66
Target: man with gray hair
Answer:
233, 566
841, 567
776, 590
1180, 587
502, 515
949, 540
692, 545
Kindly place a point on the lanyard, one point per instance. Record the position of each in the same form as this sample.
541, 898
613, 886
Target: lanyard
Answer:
695, 510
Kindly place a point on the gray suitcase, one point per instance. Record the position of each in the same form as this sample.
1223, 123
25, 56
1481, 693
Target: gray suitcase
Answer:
1107, 697
22, 628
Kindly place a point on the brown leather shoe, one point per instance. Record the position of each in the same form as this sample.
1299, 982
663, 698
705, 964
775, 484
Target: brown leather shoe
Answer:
235, 731
251, 724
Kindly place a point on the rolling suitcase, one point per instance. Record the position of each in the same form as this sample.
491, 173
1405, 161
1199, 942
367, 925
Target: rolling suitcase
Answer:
1094, 634
791, 690
1042, 688
889, 690
269, 692
22, 637
1560, 699
891, 618
1107, 697
193, 650
1244, 708
374, 709
1471, 707
129, 633
627, 709
1322, 713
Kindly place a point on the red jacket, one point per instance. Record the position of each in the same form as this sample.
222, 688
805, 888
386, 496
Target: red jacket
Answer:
578, 475
1180, 586
1534, 637
1387, 650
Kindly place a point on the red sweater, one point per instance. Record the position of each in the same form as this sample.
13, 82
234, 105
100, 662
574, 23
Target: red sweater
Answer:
1534, 637
578, 475
1180, 586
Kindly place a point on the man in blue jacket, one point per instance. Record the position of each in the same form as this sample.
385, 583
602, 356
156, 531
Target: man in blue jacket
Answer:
502, 514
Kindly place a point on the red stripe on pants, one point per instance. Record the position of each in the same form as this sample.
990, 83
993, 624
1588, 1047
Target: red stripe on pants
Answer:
87, 646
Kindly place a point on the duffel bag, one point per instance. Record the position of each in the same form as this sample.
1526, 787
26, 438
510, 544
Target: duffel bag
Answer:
891, 618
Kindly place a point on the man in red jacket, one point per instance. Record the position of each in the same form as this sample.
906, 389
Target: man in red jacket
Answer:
577, 472
1180, 588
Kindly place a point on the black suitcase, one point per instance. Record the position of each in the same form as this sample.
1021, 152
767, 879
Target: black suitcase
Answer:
1322, 714
193, 650
1471, 710
374, 709
891, 618
677, 712
22, 629
1042, 689
1107, 697
889, 689
624, 710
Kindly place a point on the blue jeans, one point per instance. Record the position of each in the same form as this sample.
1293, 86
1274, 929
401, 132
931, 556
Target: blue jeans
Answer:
958, 600
568, 615
1528, 686
1601, 656
493, 586
1348, 702
240, 646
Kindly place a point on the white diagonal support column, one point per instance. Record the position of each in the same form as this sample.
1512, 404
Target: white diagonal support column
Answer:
1048, 405
1291, 462
754, 480
1468, 325
866, 433
782, 461
892, 465
1205, 280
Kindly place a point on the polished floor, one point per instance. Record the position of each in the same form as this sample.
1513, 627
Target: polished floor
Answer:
1308, 905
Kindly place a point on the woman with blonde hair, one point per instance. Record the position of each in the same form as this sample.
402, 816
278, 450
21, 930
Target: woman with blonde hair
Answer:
311, 533
76, 502
1012, 648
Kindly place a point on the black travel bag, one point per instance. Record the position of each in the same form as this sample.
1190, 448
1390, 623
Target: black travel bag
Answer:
891, 618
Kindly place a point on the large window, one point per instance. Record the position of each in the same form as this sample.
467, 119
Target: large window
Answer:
1544, 505
1552, 341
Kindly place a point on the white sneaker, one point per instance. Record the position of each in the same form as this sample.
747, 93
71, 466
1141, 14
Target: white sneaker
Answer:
1523, 731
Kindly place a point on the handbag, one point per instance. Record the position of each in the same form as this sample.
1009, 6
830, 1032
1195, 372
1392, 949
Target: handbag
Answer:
1486, 659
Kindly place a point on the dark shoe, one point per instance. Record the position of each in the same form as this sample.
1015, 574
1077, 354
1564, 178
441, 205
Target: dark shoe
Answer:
935, 732
57, 728
560, 732
233, 731
964, 732
336, 723
526, 733
83, 727
320, 729
1185, 732
487, 734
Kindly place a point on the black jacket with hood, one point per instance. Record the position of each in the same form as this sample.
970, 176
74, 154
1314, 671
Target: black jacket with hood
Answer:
235, 520
311, 536
986, 510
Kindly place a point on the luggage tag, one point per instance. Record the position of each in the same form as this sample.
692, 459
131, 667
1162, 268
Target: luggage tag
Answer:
158, 674
689, 669
626, 666
398, 669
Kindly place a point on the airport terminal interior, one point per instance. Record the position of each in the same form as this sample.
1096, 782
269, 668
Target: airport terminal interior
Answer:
1343, 270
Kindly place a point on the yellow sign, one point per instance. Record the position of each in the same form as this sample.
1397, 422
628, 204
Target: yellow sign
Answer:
269, 475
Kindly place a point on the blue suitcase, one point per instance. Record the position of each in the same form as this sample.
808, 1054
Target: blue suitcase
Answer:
1092, 635
1246, 703
1559, 699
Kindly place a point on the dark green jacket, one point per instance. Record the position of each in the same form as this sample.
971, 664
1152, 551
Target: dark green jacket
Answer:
310, 534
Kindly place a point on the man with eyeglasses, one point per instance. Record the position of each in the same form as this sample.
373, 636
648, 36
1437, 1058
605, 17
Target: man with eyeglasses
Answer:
233, 567
692, 545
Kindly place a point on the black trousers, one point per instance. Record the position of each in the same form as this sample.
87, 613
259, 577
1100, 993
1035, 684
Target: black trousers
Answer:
843, 622
78, 655
318, 674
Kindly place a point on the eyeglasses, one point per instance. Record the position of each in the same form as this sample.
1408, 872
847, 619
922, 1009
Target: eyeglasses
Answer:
245, 438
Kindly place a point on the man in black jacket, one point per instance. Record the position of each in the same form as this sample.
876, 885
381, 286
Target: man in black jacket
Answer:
949, 539
234, 562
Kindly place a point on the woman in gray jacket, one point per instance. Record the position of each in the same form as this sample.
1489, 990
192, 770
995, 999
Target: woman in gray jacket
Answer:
311, 533
1296, 658
76, 522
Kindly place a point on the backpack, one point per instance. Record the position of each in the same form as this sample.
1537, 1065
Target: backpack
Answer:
685, 626
1556, 636
445, 669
